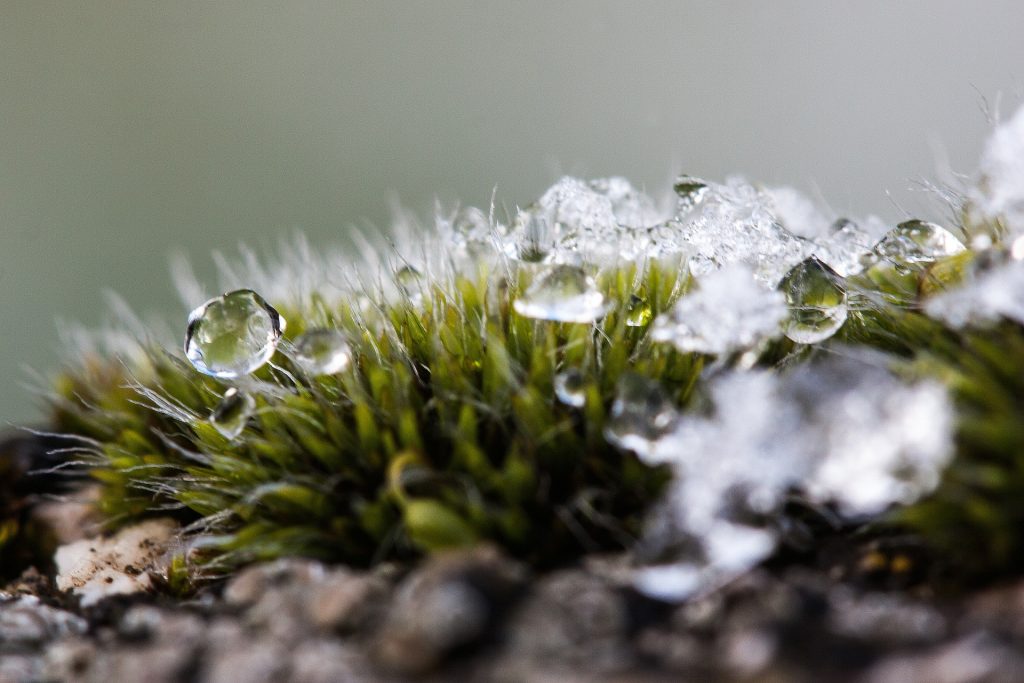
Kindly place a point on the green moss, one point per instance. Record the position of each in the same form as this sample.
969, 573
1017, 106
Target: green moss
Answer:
444, 431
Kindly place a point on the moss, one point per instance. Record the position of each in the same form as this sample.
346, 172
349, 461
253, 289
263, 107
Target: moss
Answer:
445, 431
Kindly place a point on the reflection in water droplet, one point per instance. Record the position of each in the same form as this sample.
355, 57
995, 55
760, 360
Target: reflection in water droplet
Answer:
816, 296
564, 294
638, 311
322, 351
570, 388
232, 413
641, 414
232, 335
916, 242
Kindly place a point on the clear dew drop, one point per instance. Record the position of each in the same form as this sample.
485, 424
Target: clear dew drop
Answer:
816, 296
231, 415
322, 351
916, 242
564, 294
638, 311
641, 415
570, 388
410, 282
690, 192
233, 335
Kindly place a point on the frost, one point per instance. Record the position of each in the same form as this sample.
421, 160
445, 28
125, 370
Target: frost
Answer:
1000, 188
843, 431
576, 221
994, 293
734, 223
798, 214
727, 312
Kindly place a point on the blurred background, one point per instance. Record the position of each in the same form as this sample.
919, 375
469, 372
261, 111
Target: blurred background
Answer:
129, 129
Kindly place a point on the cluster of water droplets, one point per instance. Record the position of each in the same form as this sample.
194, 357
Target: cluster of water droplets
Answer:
844, 431
234, 335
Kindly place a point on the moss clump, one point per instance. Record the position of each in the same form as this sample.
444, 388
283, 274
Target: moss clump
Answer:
443, 432
446, 430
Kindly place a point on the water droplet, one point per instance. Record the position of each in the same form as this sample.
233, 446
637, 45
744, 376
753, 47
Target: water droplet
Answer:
917, 242
323, 351
641, 414
691, 192
410, 282
816, 296
232, 413
570, 388
728, 312
638, 311
533, 239
232, 335
564, 294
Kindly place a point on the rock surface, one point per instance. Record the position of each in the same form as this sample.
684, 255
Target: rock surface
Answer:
96, 568
477, 616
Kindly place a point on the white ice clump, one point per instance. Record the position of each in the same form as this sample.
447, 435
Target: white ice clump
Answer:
797, 213
993, 293
842, 431
714, 225
727, 312
576, 221
999, 192
733, 223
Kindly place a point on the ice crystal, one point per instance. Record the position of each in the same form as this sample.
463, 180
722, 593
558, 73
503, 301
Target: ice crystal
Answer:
576, 221
999, 192
989, 294
734, 223
727, 312
844, 431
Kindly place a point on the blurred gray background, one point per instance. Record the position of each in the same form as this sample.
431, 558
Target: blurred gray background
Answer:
128, 129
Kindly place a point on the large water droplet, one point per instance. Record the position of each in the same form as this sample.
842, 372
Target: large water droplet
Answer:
638, 311
564, 294
232, 413
816, 296
641, 414
570, 388
917, 242
322, 351
232, 335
